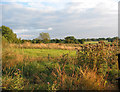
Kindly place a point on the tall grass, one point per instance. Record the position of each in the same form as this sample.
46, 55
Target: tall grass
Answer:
29, 45
95, 67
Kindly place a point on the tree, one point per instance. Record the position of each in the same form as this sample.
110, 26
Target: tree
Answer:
70, 39
8, 34
88, 39
93, 39
101, 39
76, 41
81, 41
52, 41
109, 39
45, 37
57, 41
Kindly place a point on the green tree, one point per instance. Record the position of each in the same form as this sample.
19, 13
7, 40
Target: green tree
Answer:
76, 41
52, 41
88, 39
57, 41
81, 41
8, 34
70, 39
45, 37
109, 39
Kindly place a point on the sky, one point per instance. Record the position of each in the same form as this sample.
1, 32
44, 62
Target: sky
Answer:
61, 18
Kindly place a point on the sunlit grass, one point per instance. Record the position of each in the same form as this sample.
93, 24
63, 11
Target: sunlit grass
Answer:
46, 52
94, 42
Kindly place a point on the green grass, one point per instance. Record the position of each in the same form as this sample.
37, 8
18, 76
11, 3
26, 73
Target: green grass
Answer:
45, 52
94, 42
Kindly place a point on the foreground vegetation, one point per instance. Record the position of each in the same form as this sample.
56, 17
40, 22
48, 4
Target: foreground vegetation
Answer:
94, 67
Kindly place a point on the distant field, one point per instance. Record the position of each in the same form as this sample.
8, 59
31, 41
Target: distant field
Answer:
45, 52
94, 42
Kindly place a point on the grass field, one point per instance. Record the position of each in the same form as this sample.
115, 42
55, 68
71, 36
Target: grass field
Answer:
94, 42
45, 52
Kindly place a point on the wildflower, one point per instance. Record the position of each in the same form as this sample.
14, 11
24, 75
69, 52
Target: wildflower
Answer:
48, 83
18, 69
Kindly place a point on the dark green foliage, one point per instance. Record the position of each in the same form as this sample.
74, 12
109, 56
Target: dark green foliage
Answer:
52, 41
70, 39
81, 41
109, 39
36, 41
57, 40
8, 34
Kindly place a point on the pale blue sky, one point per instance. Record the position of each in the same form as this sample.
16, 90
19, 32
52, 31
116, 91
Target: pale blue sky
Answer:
61, 18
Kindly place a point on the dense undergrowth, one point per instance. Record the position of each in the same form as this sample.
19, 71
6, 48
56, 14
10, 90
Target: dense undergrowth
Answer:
95, 67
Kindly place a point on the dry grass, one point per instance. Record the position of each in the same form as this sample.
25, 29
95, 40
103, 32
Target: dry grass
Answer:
47, 46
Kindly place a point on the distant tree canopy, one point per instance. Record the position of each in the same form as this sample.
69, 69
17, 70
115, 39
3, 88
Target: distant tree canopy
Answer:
72, 39
69, 39
45, 37
8, 34
57, 40
81, 41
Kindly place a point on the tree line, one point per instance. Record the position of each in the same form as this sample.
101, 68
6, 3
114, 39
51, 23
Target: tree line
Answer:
9, 36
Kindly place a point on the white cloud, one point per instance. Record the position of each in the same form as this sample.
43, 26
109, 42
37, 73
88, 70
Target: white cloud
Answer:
26, 36
81, 4
37, 1
50, 28
20, 30
101, 5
